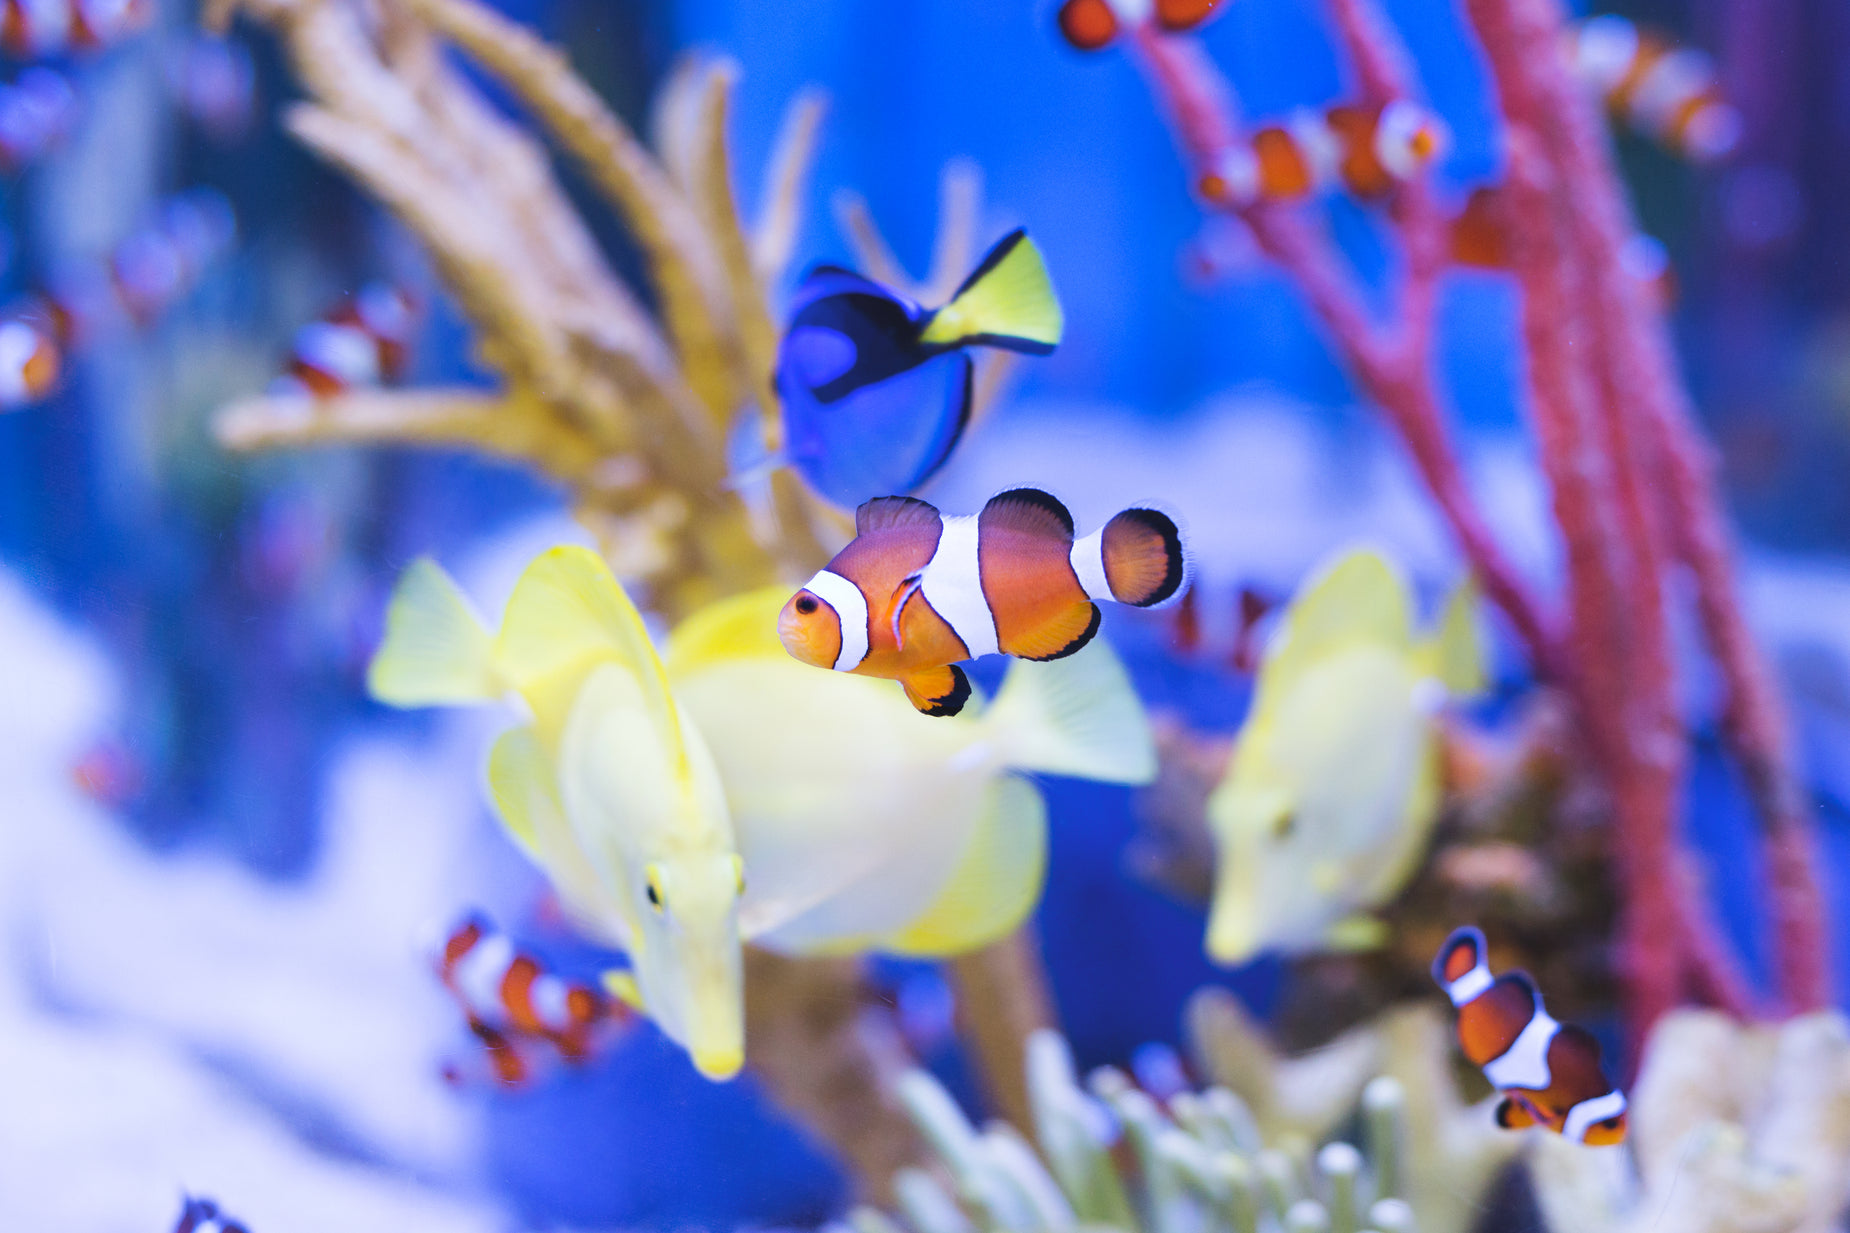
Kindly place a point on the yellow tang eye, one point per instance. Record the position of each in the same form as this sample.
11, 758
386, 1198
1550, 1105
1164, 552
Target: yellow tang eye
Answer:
654, 889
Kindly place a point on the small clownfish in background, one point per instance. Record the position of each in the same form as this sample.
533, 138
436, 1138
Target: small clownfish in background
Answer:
158, 264
37, 112
30, 29
1093, 25
1366, 151
1666, 93
30, 361
204, 1216
1479, 238
1549, 1072
512, 1001
916, 592
366, 341
876, 390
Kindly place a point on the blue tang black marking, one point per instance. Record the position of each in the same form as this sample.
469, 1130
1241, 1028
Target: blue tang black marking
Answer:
876, 390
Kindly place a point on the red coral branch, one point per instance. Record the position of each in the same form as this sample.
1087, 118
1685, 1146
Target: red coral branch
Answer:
1631, 485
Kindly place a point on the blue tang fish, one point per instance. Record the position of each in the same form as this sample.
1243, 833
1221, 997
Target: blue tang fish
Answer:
876, 389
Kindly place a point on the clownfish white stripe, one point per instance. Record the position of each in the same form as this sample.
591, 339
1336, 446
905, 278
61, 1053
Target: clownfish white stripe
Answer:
343, 352
1400, 123
850, 610
1670, 85
1525, 1063
1588, 1113
480, 972
1321, 149
1131, 12
953, 585
551, 1002
1471, 985
1088, 558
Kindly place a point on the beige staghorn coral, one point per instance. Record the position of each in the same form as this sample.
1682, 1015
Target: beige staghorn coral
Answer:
1734, 1130
1454, 1150
1111, 1157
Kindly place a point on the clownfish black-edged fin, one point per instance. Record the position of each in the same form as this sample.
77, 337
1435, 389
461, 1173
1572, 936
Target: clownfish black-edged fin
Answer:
1461, 952
1058, 638
884, 513
1030, 510
1144, 561
1512, 1114
938, 692
1008, 301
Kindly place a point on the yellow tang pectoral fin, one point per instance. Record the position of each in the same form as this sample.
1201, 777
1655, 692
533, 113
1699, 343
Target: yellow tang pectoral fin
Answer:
938, 691
526, 797
621, 985
997, 880
436, 651
739, 627
1356, 933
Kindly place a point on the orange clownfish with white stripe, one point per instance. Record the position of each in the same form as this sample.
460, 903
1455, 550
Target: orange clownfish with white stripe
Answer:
1366, 151
916, 591
1549, 1072
1667, 93
511, 1000
1093, 25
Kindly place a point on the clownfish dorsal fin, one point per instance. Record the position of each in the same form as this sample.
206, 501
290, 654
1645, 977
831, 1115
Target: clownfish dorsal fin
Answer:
1463, 953
1030, 511
883, 513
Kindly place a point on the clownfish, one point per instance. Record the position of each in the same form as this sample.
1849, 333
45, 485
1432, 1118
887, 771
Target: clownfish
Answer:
876, 390
1093, 25
916, 592
1479, 239
36, 113
508, 995
33, 28
1365, 150
1666, 93
30, 361
204, 1216
364, 342
1549, 1072
158, 264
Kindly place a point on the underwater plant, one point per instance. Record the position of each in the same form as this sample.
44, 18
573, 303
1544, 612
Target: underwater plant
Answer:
1633, 494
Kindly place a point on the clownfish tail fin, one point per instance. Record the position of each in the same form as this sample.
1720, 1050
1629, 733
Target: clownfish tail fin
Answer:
1008, 301
436, 650
1137, 558
1078, 715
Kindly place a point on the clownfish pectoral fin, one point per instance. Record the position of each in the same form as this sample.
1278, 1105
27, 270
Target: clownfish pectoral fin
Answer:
1513, 1114
997, 880
1008, 301
938, 691
436, 650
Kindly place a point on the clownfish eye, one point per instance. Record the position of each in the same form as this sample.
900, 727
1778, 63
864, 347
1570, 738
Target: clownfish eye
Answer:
653, 889
807, 605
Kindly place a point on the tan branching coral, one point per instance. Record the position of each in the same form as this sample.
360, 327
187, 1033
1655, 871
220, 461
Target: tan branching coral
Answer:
1734, 1130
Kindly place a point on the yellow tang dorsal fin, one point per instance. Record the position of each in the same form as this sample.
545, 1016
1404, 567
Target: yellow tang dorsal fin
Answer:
568, 614
739, 627
997, 880
1454, 653
1358, 597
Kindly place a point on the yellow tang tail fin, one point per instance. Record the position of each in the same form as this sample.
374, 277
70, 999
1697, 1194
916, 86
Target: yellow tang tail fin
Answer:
436, 650
1454, 654
1008, 301
1076, 716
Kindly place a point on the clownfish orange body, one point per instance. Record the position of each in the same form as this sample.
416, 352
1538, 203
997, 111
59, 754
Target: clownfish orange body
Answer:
1549, 1072
1093, 25
1366, 151
1667, 93
917, 591
511, 1000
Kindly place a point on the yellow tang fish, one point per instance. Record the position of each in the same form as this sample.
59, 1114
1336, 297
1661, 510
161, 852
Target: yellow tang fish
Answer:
1334, 785
610, 789
866, 825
